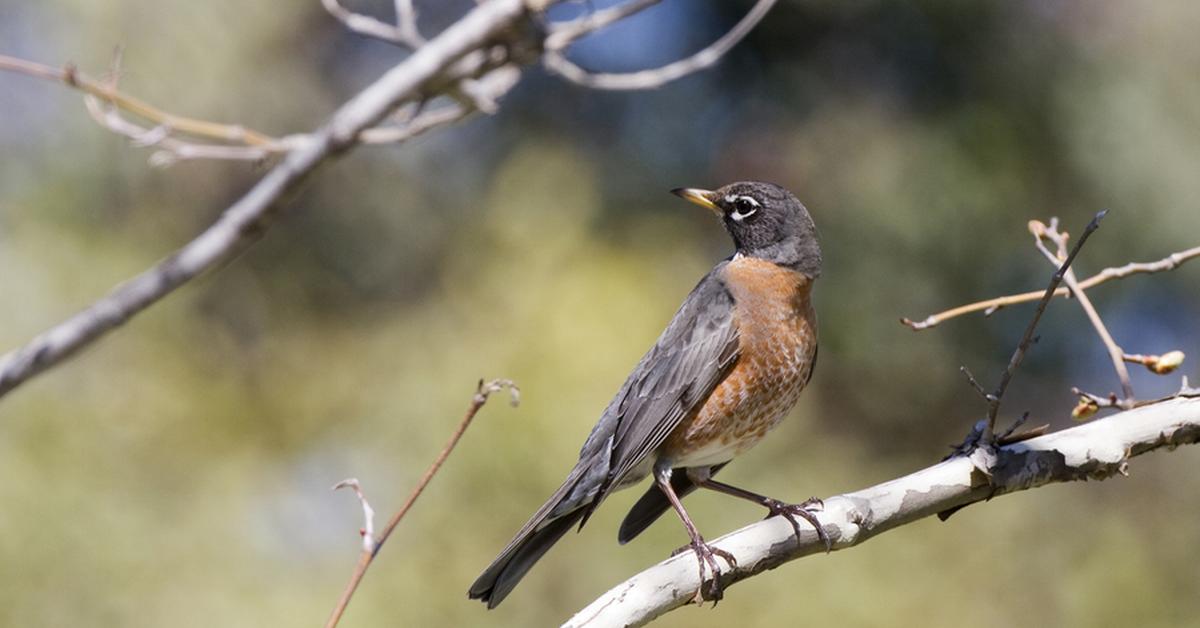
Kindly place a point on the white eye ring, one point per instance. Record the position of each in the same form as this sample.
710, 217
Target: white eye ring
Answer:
743, 207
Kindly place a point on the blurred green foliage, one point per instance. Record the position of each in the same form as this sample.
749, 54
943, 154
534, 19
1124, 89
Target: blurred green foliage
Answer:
177, 473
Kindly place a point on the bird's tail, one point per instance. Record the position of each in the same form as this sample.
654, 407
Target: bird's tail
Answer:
498, 580
562, 511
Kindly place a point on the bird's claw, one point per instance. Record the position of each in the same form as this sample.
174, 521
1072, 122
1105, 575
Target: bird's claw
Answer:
805, 511
706, 557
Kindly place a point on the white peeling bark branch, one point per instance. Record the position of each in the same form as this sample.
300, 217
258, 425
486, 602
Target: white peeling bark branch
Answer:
242, 224
1092, 451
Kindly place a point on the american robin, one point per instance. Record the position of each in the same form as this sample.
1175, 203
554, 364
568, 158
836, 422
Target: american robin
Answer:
727, 369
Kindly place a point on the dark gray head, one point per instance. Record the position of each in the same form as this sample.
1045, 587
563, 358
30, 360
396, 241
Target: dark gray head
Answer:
765, 221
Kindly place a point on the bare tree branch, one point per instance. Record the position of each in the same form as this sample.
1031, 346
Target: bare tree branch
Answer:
475, 62
459, 51
558, 63
989, 306
1092, 451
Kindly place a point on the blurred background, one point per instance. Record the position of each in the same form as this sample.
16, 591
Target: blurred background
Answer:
178, 472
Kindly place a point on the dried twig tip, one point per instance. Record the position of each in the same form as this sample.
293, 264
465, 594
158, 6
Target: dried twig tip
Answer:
485, 389
367, 531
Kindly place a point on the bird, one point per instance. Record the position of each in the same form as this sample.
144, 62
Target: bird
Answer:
729, 366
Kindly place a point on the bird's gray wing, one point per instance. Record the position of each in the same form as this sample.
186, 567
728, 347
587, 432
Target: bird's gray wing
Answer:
694, 353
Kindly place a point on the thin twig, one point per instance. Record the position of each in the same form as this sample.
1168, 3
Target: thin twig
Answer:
565, 34
1170, 262
987, 397
1023, 346
422, 123
495, 84
1115, 353
557, 62
103, 90
171, 148
371, 546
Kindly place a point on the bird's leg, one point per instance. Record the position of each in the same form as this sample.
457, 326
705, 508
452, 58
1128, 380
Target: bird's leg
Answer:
787, 511
704, 552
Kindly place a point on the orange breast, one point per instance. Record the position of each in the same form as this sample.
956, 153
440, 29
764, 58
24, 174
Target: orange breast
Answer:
777, 331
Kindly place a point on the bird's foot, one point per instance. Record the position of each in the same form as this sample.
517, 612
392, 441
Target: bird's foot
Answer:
805, 511
706, 558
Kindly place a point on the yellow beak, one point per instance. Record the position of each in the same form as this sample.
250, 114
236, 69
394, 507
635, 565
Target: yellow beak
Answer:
703, 198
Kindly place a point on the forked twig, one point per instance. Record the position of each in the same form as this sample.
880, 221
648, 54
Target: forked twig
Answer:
994, 399
1115, 353
371, 545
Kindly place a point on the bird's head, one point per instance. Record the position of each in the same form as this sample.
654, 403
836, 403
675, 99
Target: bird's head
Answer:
765, 221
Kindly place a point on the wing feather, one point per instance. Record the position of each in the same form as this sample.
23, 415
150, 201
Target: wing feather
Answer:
672, 380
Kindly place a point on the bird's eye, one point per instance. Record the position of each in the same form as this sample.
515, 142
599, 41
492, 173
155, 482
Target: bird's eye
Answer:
743, 208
